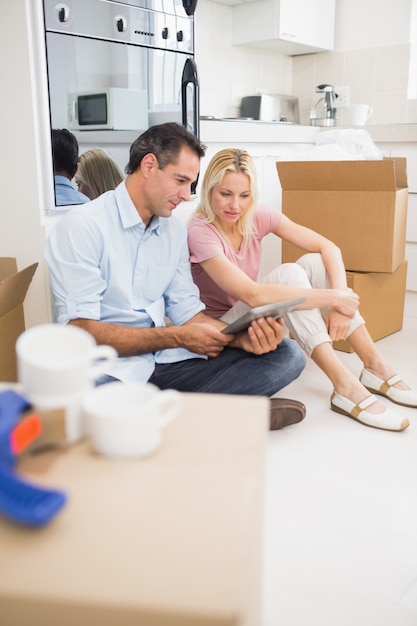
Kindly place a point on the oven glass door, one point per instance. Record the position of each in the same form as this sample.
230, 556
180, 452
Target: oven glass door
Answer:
81, 64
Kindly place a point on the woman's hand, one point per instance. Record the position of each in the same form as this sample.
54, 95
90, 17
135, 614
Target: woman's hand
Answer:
346, 302
263, 335
337, 325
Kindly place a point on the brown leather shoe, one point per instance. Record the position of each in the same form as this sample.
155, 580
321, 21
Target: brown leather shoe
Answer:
285, 412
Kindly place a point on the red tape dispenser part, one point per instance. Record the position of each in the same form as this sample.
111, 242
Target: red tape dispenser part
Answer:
25, 433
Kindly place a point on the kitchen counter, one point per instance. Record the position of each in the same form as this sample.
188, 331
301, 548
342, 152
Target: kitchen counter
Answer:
272, 132
252, 131
215, 130
393, 133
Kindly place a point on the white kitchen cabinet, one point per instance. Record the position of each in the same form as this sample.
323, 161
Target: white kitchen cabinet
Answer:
289, 26
411, 243
408, 150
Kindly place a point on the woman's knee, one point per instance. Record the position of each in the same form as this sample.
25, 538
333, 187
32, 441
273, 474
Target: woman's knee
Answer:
312, 264
288, 274
311, 259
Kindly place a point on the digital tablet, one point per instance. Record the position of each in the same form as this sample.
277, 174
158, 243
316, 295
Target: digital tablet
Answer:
277, 309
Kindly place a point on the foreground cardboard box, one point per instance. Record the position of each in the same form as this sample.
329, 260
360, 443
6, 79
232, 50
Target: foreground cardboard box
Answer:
381, 302
360, 205
13, 288
173, 539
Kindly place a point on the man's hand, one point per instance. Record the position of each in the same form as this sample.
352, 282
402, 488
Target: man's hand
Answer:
203, 338
201, 334
263, 335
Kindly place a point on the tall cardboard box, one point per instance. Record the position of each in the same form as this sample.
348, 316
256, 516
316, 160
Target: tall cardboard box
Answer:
359, 205
13, 288
382, 297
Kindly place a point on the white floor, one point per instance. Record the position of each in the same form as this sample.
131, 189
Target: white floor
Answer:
341, 508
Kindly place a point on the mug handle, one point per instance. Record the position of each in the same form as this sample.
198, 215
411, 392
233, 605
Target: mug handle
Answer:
370, 111
169, 403
102, 356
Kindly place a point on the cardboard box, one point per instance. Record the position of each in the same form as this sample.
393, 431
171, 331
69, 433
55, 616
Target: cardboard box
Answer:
359, 205
381, 301
175, 539
13, 288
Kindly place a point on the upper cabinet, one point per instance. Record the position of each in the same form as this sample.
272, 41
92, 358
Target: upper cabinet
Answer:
288, 26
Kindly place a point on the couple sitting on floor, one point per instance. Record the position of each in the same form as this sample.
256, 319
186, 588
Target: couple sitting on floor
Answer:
117, 268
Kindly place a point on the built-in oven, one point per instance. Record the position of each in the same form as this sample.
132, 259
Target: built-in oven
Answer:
117, 66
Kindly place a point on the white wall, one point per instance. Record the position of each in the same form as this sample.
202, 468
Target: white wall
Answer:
21, 235
374, 53
369, 24
229, 72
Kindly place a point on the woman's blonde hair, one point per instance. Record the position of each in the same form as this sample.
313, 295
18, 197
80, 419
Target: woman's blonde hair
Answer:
228, 160
98, 170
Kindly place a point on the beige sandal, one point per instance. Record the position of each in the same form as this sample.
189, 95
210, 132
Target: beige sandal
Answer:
407, 397
385, 421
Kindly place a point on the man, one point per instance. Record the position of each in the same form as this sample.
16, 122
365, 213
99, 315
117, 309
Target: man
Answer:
65, 158
120, 266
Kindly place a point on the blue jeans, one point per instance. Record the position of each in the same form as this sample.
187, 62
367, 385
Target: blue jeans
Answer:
234, 371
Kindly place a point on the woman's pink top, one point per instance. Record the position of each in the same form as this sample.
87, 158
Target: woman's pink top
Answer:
206, 242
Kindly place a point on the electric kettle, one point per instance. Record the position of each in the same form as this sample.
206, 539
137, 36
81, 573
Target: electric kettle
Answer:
323, 112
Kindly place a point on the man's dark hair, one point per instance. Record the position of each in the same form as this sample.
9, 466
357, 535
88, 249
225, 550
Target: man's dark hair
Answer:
165, 141
64, 152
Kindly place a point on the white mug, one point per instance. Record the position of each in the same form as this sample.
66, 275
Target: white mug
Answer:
56, 365
360, 114
125, 420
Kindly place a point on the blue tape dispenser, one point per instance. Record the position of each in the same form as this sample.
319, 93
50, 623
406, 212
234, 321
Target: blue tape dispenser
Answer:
21, 430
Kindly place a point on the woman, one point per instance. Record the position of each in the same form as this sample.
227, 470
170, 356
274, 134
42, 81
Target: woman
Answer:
97, 172
225, 236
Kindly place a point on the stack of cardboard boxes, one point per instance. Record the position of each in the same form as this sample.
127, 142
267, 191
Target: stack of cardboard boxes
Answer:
362, 207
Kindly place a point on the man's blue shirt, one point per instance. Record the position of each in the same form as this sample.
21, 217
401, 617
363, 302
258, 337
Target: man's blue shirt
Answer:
65, 194
104, 265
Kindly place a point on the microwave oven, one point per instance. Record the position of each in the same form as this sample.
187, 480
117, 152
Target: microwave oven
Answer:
113, 108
